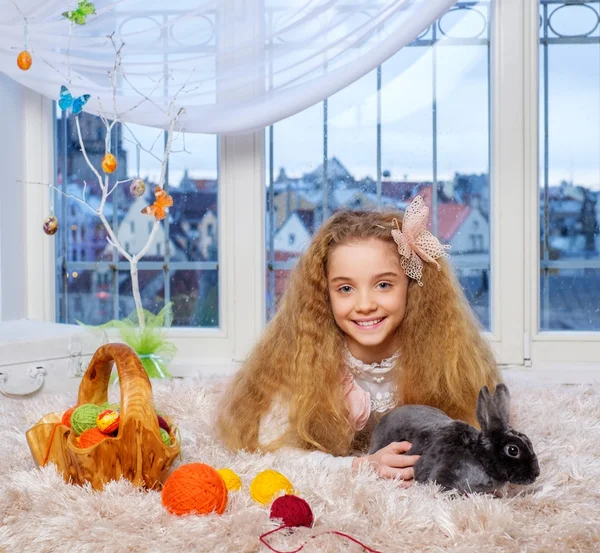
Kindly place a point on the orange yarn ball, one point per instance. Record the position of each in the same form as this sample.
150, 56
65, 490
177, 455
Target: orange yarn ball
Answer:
194, 488
24, 60
66, 418
90, 437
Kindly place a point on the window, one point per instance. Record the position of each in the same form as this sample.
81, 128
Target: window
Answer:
569, 184
174, 269
418, 124
522, 248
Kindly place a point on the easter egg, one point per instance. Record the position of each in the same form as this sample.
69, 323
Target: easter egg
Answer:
137, 188
109, 163
51, 225
24, 60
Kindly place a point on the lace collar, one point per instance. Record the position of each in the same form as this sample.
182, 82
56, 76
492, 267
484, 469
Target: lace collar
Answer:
358, 367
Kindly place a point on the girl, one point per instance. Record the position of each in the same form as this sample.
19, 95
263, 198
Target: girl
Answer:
369, 321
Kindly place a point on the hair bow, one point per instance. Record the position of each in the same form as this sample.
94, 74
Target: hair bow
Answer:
415, 243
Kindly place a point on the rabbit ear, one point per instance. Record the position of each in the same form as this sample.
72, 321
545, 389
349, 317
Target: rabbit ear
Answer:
502, 402
484, 402
488, 415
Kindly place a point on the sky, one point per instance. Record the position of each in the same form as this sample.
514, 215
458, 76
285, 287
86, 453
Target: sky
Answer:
406, 106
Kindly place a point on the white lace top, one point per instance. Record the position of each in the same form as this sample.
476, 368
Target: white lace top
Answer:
369, 388
378, 380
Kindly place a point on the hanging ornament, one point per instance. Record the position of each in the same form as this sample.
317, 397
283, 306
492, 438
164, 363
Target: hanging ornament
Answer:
51, 225
67, 101
79, 16
137, 188
109, 163
24, 60
159, 207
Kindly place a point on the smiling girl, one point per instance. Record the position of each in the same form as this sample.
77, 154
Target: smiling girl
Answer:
373, 317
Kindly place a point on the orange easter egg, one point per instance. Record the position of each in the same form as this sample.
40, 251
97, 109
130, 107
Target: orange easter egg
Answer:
24, 60
109, 163
108, 421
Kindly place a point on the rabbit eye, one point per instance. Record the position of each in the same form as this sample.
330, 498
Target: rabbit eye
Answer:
512, 450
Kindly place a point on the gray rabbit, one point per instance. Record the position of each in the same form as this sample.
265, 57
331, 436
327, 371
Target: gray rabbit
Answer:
456, 455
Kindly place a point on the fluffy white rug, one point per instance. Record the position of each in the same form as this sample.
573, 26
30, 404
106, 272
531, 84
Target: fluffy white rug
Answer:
561, 512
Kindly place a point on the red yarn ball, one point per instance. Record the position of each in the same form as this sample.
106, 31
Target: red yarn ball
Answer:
194, 488
293, 510
162, 423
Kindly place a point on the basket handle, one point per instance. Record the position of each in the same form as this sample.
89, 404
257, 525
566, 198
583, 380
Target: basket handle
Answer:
136, 390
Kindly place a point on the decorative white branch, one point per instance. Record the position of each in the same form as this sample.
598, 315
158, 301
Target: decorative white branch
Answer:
106, 191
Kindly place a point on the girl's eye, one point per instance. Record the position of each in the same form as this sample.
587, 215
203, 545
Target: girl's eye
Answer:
384, 285
345, 289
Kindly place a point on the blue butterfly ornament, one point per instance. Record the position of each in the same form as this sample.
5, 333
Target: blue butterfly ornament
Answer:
68, 102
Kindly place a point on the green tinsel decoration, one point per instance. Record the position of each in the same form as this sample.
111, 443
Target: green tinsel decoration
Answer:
151, 343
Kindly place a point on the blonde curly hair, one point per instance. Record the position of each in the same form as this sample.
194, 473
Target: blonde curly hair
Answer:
298, 359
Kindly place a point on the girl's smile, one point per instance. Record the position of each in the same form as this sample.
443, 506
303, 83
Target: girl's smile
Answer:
370, 324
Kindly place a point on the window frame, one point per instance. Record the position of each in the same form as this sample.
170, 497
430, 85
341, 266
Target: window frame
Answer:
514, 240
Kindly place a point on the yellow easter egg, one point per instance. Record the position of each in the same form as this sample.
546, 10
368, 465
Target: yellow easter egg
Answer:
109, 163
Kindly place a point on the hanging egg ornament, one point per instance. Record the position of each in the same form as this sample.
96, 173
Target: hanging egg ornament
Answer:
24, 60
137, 188
51, 225
109, 163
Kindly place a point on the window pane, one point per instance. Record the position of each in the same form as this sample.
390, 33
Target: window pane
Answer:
181, 263
418, 124
569, 165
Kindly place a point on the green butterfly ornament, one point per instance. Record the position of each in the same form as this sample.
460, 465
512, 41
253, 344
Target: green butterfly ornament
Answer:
84, 9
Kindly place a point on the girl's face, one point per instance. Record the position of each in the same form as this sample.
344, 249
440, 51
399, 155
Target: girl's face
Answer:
367, 287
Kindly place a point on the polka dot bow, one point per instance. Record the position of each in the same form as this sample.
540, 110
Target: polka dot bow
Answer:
415, 243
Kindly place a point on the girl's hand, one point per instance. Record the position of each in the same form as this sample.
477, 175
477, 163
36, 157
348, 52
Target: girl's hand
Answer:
390, 462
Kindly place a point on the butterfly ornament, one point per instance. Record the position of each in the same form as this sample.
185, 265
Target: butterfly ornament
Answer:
158, 208
79, 15
67, 101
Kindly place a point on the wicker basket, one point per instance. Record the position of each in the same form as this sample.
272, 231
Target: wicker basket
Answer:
137, 453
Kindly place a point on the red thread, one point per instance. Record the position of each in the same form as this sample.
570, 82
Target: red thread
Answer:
262, 539
295, 512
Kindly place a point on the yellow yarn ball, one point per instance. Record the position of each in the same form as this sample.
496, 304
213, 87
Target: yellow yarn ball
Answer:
231, 479
268, 484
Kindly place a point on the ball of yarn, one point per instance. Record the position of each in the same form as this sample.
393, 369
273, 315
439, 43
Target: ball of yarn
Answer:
84, 417
66, 418
113, 406
267, 484
163, 423
231, 479
90, 437
108, 421
165, 436
293, 510
194, 488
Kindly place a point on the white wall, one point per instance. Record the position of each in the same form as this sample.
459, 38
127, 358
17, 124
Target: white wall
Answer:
13, 281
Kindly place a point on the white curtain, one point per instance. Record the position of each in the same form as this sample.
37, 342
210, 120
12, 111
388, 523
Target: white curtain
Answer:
235, 66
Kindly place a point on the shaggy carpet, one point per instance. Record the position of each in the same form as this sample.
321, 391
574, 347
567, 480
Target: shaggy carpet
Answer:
560, 512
